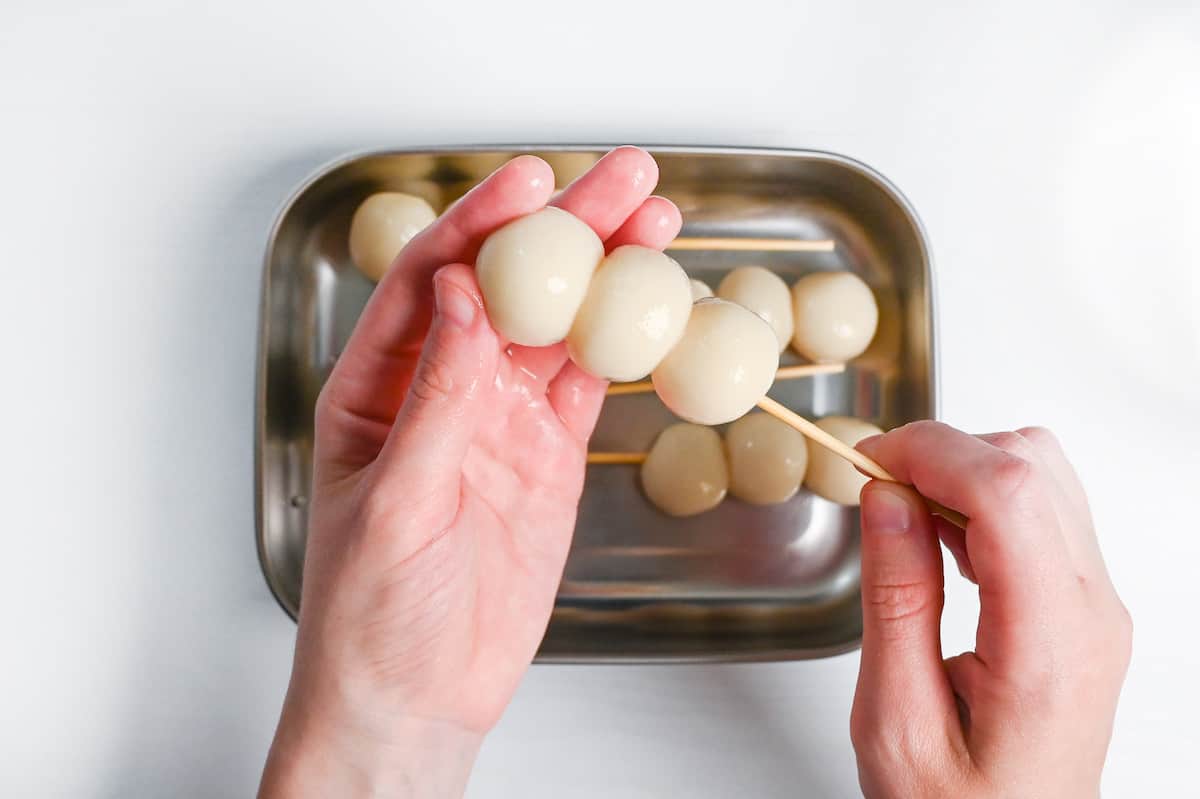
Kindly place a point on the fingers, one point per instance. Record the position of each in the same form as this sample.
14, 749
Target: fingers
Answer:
536, 366
1014, 541
1079, 531
1070, 502
607, 194
1037, 443
654, 224
959, 470
1005, 495
520, 187
902, 688
448, 395
955, 540
370, 379
1047, 446
577, 398
395, 316
966, 673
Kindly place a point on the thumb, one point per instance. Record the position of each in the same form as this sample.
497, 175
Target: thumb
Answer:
446, 398
901, 682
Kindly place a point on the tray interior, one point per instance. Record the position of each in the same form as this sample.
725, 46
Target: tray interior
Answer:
740, 582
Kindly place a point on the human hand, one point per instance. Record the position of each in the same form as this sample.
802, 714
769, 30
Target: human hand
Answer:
1029, 713
448, 470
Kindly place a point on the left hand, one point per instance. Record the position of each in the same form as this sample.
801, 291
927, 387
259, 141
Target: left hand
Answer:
448, 470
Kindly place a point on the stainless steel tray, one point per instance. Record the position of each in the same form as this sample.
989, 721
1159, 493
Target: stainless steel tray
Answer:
738, 583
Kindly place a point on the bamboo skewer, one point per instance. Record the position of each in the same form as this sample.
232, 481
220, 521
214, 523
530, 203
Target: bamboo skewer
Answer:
750, 244
837, 447
810, 431
784, 373
617, 457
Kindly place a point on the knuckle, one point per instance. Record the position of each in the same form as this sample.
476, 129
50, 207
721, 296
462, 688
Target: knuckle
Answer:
377, 510
1125, 630
1014, 443
394, 513
1038, 688
1040, 437
434, 379
899, 603
394, 516
325, 408
862, 726
898, 749
921, 435
321, 407
924, 427
1010, 476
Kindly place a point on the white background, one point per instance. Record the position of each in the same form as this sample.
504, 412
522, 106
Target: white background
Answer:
1051, 148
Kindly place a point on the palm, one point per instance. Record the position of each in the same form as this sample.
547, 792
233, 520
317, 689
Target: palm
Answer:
517, 507
457, 587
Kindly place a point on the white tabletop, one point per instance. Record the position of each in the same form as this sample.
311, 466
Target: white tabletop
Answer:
1050, 147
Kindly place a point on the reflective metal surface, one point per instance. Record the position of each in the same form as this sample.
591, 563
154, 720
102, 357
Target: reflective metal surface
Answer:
738, 583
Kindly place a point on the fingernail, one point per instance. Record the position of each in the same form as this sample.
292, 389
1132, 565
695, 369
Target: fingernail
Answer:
453, 304
884, 511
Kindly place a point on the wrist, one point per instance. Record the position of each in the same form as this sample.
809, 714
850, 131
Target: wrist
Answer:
323, 751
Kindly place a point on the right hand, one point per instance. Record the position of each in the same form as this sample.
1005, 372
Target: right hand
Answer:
1029, 713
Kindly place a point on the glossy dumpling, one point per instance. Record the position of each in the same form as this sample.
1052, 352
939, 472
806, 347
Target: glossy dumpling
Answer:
380, 228
830, 475
835, 316
763, 292
685, 473
534, 273
634, 311
767, 459
723, 364
700, 290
